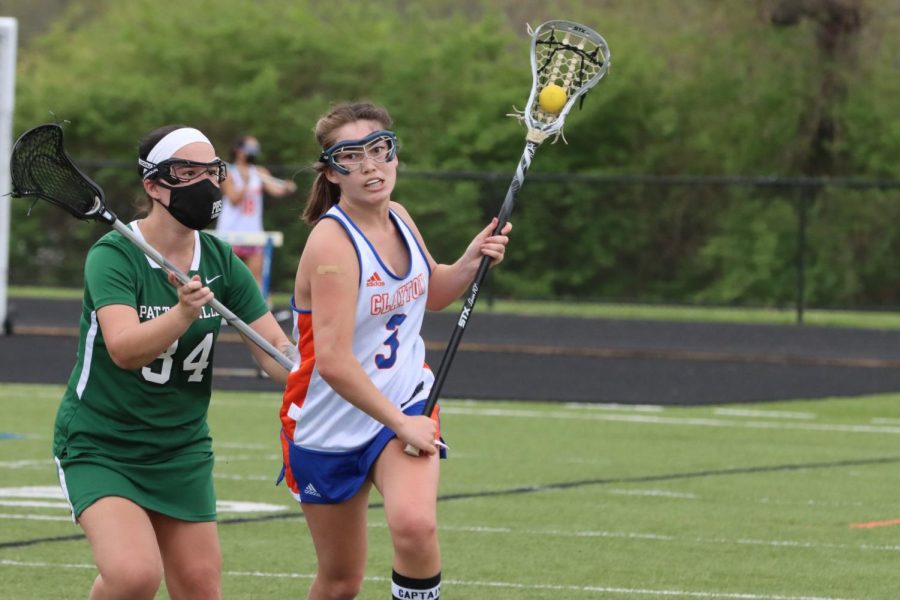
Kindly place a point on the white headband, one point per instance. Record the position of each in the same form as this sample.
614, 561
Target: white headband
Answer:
172, 143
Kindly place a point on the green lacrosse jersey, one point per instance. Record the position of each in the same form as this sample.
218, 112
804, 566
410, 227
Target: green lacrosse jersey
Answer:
146, 425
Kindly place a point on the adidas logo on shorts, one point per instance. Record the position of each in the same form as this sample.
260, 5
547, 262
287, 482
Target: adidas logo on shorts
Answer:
310, 490
374, 280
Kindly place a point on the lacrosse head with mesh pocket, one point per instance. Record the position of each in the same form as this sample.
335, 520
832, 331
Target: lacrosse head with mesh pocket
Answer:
570, 56
40, 168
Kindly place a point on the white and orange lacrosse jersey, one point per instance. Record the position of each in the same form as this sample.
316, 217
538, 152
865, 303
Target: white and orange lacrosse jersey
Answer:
387, 342
246, 215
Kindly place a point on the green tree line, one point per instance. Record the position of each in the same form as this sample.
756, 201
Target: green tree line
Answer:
780, 88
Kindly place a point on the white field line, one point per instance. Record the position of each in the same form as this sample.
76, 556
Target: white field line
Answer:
616, 407
547, 532
653, 493
885, 421
222, 506
244, 477
680, 421
52, 497
45, 463
41, 565
241, 446
238, 506
656, 537
225, 458
34, 504
810, 502
771, 414
34, 491
30, 517
591, 589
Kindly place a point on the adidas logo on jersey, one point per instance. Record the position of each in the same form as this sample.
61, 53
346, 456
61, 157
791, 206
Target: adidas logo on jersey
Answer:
310, 490
374, 280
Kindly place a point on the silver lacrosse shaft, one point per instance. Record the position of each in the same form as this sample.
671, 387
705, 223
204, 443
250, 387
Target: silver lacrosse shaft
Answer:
220, 308
472, 296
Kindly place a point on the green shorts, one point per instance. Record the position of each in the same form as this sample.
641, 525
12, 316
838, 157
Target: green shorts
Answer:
180, 487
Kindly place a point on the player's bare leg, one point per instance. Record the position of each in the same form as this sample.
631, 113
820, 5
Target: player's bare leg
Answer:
339, 533
129, 563
409, 486
191, 557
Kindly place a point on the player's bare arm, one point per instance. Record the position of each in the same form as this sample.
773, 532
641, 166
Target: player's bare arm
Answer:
133, 344
272, 332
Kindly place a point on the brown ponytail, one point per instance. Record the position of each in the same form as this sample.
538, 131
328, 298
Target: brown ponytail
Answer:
322, 195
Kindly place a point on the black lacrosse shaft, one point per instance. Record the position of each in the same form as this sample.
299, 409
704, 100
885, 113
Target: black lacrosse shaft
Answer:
472, 296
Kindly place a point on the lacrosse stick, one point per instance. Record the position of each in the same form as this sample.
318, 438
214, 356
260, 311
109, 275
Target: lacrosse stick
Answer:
41, 168
569, 59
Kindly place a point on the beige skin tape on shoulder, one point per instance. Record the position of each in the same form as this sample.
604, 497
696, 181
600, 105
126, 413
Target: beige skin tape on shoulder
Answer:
327, 269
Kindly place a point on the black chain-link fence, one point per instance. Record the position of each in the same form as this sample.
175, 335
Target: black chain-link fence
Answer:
748, 241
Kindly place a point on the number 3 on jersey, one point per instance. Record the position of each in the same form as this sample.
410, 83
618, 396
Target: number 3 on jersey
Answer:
392, 342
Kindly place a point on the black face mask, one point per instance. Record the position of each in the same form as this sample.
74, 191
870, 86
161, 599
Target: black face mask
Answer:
195, 206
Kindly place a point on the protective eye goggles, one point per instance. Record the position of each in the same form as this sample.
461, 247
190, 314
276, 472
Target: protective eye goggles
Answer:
379, 146
177, 170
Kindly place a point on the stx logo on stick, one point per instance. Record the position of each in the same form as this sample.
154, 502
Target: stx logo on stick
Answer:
467, 308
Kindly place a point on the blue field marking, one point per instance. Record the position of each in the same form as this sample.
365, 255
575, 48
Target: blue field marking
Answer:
5, 435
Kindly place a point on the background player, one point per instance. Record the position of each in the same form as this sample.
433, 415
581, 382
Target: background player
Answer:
244, 189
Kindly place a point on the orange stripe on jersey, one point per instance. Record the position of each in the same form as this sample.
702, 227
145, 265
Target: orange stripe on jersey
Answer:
298, 381
436, 417
286, 457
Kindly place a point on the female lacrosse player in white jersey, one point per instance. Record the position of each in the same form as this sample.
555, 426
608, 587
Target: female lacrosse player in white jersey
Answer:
355, 398
131, 440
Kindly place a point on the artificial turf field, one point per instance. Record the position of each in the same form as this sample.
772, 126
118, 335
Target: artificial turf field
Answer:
780, 501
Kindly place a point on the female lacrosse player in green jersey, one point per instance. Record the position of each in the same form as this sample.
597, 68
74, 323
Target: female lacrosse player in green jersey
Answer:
131, 442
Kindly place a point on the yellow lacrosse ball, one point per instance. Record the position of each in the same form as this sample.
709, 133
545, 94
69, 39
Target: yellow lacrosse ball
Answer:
552, 99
